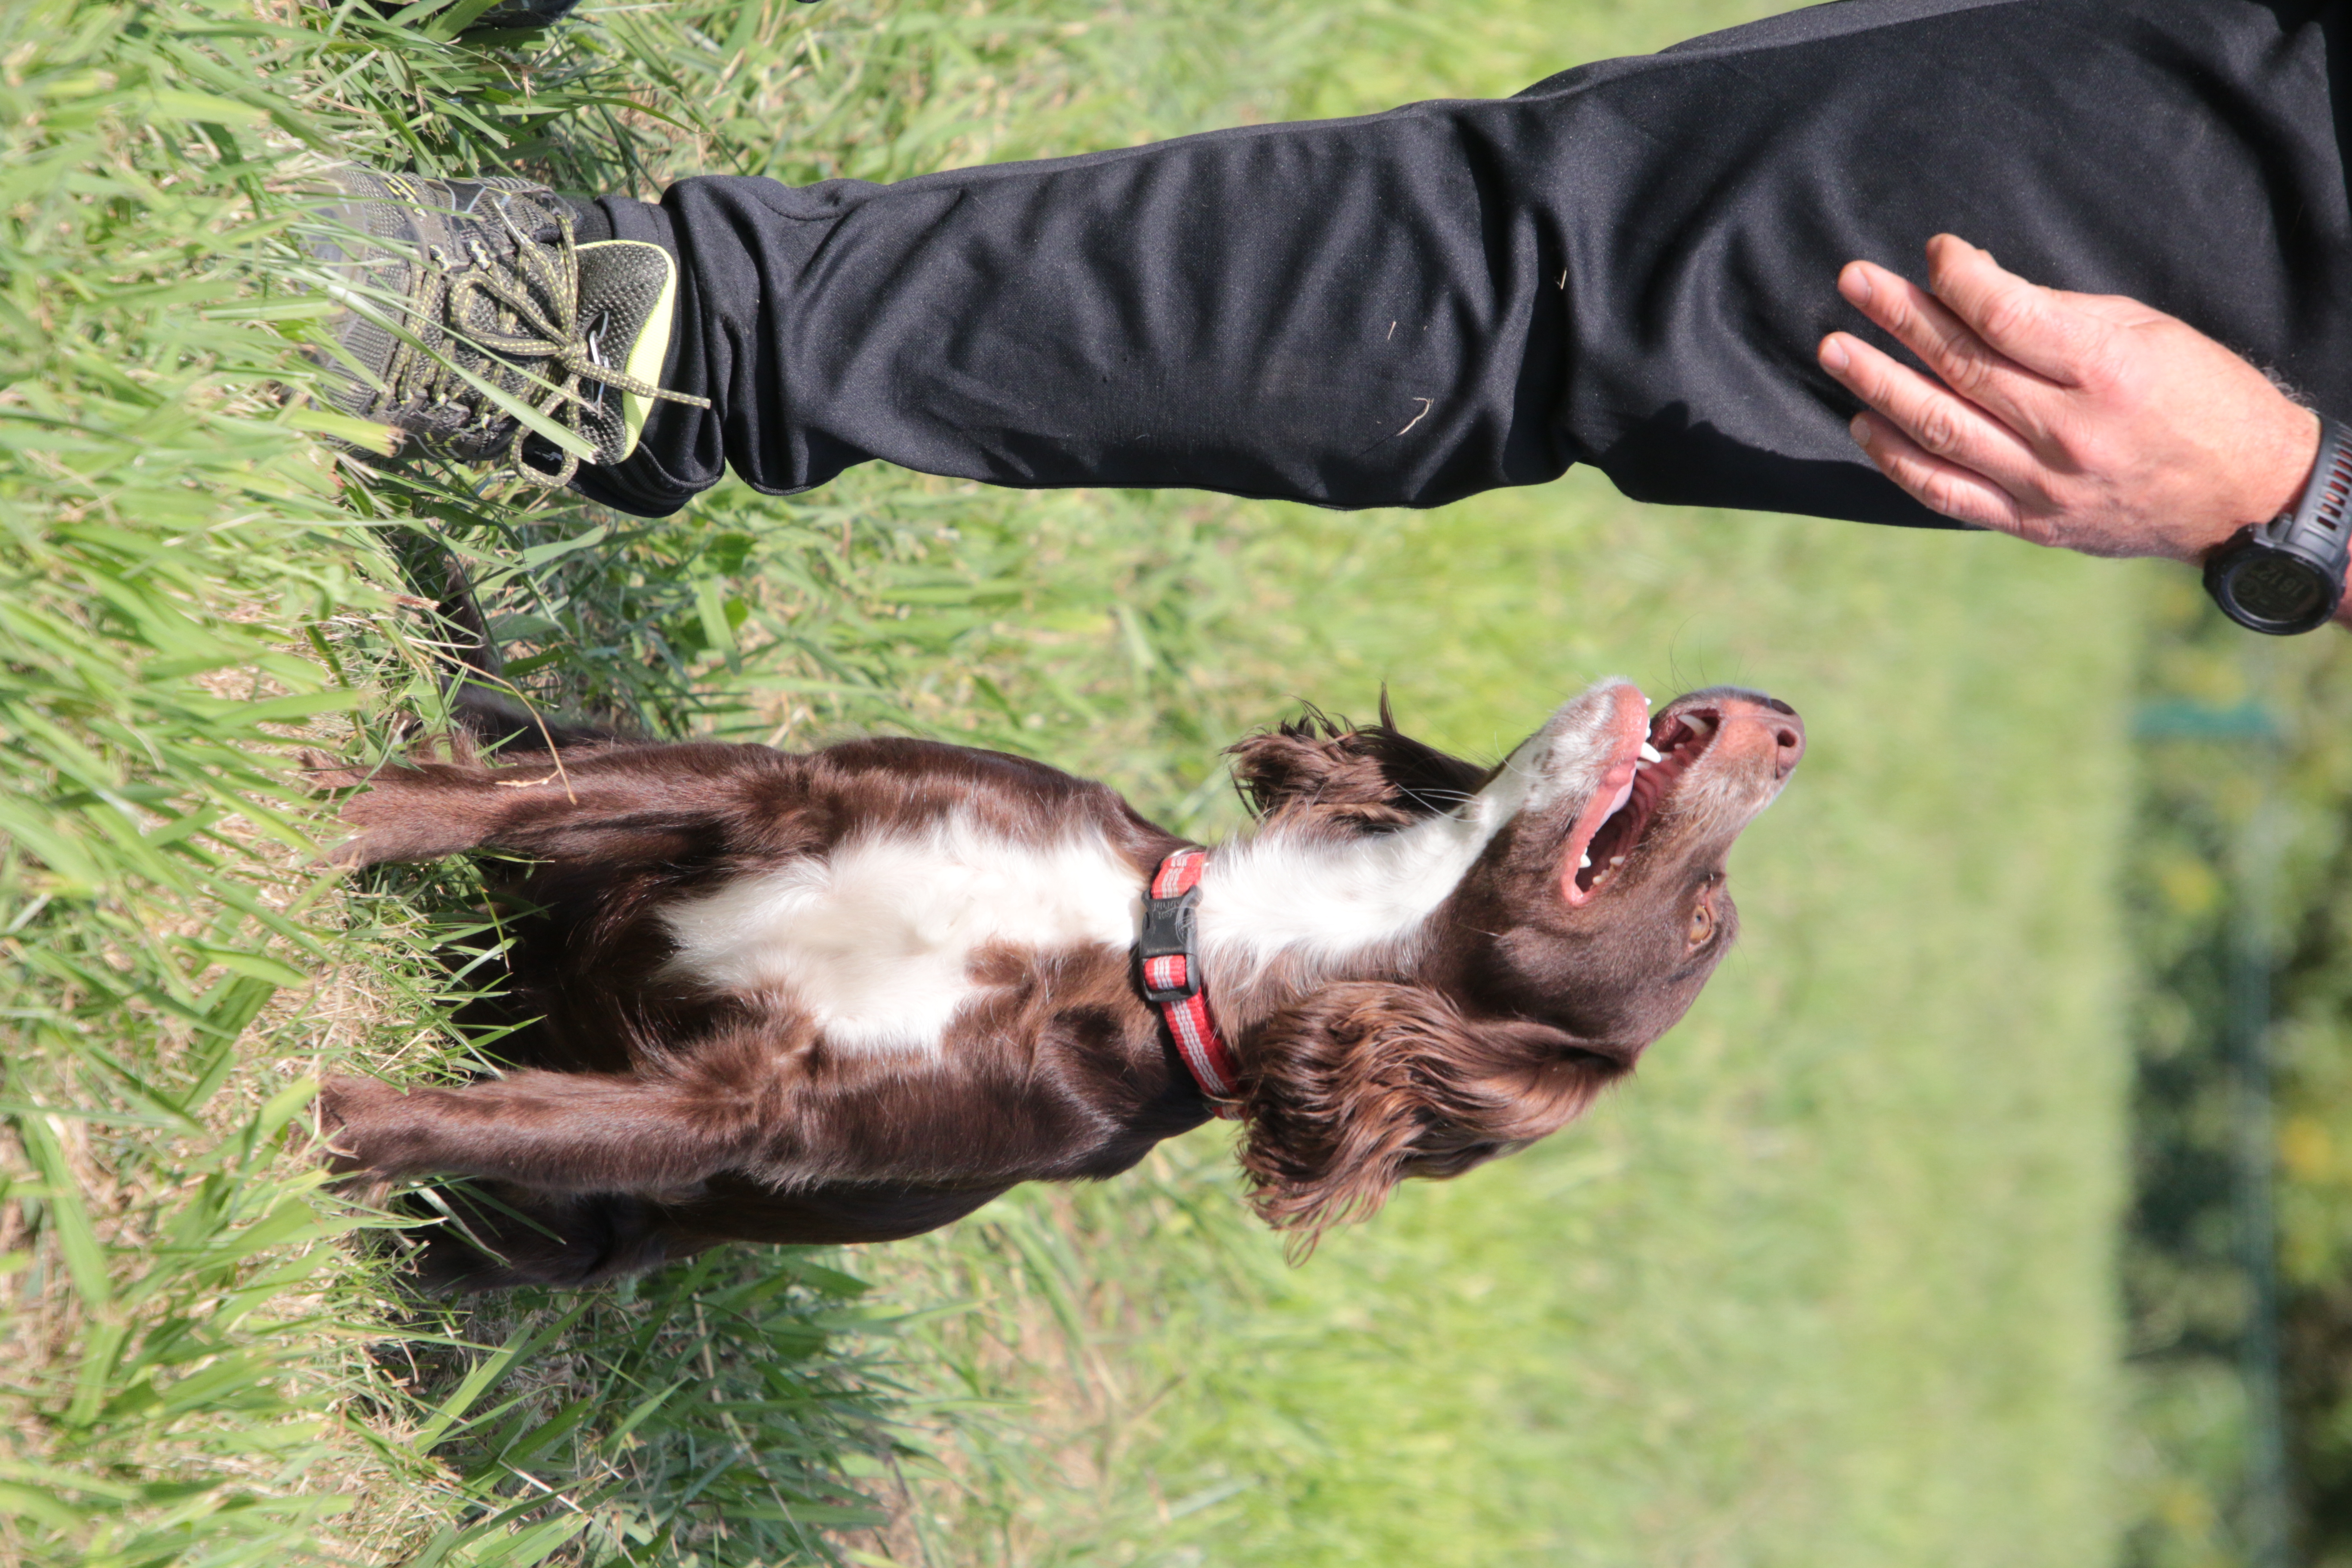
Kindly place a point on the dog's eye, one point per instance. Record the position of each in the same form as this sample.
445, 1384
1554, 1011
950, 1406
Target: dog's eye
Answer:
1702, 926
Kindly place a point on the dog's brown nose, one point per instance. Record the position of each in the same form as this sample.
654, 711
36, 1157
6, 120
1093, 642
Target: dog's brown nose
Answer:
1753, 721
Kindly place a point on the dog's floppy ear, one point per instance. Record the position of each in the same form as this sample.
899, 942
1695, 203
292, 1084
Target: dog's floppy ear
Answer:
1362, 1084
1321, 772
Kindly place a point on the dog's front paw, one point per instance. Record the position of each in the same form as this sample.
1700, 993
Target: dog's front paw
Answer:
326, 774
378, 816
417, 814
349, 1110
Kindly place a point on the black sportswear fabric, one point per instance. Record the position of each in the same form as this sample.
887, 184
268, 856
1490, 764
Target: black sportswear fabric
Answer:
1628, 264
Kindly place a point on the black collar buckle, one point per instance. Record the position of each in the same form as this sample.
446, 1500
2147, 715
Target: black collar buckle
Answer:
1170, 930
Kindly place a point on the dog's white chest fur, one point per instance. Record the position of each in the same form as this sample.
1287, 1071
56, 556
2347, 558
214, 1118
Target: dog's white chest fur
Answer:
878, 939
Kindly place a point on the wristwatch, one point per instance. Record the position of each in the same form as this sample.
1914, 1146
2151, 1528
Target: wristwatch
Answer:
2286, 575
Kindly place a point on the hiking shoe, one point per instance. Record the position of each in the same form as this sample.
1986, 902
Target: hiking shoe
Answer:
476, 324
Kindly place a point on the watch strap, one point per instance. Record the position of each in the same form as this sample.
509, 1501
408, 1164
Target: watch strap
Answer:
2319, 527
2316, 532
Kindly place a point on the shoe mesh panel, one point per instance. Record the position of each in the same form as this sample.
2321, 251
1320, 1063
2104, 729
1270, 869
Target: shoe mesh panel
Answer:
484, 275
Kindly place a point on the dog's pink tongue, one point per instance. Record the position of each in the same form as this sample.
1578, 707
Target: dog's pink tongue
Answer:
1572, 877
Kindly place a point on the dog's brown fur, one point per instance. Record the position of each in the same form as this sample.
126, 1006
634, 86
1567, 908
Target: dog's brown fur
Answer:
650, 1116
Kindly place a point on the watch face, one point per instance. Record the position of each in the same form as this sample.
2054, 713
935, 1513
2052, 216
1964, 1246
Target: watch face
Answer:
2280, 589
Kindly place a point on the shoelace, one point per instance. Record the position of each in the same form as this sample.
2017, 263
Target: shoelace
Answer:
549, 333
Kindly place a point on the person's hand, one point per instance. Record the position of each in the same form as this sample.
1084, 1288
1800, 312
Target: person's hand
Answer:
2085, 421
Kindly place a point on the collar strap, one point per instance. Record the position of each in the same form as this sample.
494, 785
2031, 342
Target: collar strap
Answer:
1170, 954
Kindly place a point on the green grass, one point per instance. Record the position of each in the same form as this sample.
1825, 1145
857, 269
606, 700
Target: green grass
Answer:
1830, 1283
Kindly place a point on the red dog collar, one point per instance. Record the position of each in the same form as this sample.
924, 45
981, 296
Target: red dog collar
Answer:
1171, 977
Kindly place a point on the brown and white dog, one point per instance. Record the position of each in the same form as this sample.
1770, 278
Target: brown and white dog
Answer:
854, 993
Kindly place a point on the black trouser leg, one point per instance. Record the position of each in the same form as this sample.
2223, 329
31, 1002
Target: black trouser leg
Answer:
1628, 264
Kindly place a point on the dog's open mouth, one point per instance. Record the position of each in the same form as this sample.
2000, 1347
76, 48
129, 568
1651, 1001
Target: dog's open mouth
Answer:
1675, 741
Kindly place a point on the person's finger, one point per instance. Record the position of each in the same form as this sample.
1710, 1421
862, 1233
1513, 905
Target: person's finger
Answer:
1951, 428
2115, 310
1941, 487
2017, 398
2030, 324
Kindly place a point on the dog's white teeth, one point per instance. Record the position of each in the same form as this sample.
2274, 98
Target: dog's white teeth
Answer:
1615, 860
1650, 754
1584, 862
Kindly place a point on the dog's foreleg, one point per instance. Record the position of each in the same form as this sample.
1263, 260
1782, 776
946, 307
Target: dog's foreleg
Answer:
555, 1132
629, 805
